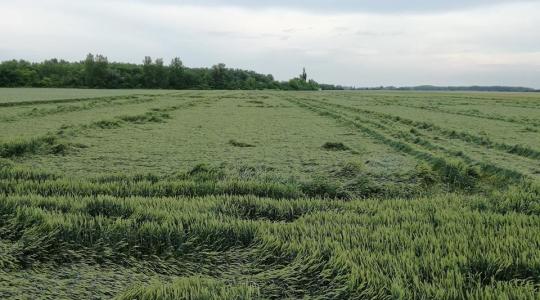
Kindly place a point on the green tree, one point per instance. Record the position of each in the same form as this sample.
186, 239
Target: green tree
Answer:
95, 70
176, 74
218, 76
148, 72
303, 76
160, 75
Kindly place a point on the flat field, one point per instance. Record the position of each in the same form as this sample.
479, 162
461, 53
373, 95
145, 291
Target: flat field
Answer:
266, 194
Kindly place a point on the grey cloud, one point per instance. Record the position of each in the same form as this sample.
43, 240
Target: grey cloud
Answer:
238, 35
492, 45
372, 33
381, 6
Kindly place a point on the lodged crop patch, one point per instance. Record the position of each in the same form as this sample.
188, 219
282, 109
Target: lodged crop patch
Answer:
270, 195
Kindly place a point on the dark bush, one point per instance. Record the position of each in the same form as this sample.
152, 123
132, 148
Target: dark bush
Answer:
332, 146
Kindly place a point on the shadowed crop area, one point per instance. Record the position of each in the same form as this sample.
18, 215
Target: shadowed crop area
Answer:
269, 195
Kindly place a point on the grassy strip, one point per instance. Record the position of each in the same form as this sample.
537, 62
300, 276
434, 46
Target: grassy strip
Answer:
40, 112
192, 288
72, 100
519, 150
349, 181
316, 188
8, 171
48, 144
334, 250
525, 121
413, 137
454, 172
52, 144
95, 238
154, 115
187, 188
463, 97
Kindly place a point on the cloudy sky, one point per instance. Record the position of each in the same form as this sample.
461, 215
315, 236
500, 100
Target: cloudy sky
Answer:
350, 42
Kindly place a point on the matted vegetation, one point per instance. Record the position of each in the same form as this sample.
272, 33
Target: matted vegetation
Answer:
272, 195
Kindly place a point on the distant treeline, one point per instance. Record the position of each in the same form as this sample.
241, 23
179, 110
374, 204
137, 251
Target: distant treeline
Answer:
97, 72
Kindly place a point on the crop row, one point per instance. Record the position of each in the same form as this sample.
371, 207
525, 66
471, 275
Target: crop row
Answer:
483, 141
55, 143
186, 188
438, 247
60, 109
73, 100
461, 173
475, 114
192, 288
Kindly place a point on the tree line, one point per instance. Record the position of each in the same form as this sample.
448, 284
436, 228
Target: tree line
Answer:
97, 72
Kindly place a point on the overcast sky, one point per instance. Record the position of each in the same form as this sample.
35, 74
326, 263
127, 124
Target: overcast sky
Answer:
350, 42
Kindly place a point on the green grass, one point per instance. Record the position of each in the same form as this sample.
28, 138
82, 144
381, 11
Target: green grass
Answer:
16, 95
272, 195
